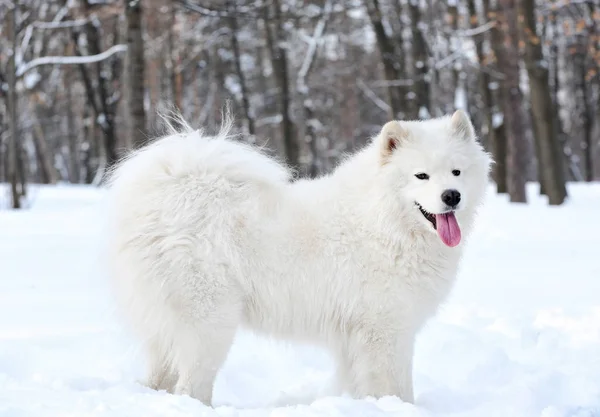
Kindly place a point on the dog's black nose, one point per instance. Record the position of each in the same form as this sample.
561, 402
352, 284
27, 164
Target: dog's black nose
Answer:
451, 198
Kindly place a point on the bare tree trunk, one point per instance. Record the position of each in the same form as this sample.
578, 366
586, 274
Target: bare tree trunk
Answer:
593, 114
457, 83
275, 37
48, 174
587, 113
420, 58
14, 153
390, 58
544, 112
505, 43
176, 72
91, 157
484, 77
153, 56
565, 149
235, 46
74, 162
104, 116
91, 150
311, 131
135, 71
500, 149
495, 117
4, 154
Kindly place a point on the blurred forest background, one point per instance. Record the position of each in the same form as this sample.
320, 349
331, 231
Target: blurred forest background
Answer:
81, 80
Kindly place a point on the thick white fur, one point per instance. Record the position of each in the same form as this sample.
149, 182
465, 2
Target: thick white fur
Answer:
209, 235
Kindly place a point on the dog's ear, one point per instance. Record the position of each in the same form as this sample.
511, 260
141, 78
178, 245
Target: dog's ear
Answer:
391, 137
461, 126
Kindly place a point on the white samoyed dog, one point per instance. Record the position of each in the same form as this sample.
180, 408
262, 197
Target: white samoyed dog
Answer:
209, 235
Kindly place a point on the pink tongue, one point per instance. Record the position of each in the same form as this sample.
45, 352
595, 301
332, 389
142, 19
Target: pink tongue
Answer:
447, 228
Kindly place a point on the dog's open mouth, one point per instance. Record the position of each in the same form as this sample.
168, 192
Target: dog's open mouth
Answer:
445, 224
427, 215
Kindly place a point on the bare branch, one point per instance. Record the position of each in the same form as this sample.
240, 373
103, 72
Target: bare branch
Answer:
60, 25
393, 83
449, 59
70, 60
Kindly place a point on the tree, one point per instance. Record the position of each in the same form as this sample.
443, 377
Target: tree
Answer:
301, 88
310, 122
391, 58
135, 71
14, 164
235, 46
505, 44
545, 116
420, 88
487, 101
276, 38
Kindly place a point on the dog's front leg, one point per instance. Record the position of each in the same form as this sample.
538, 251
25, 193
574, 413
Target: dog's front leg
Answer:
381, 363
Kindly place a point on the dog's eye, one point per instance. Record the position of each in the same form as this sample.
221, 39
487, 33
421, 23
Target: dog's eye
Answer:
422, 176
455, 172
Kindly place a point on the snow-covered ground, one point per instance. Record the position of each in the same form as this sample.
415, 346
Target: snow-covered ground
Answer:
520, 335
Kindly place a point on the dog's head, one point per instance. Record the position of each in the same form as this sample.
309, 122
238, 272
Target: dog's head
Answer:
438, 168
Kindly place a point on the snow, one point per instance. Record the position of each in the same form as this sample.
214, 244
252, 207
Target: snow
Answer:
460, 98
233, 86
69, 60
355, 13
519, 336
424, 113
101, 119
31, 79
493, 85
497, 119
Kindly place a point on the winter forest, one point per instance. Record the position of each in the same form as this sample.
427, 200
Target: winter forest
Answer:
82, 80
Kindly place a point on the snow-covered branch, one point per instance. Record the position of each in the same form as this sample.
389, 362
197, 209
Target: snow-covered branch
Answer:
449, 59
478, 30
312, 47
372, 96
70, 60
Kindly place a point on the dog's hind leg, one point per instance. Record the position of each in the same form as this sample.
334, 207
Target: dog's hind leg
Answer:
162, 375
342, 382
202, 344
